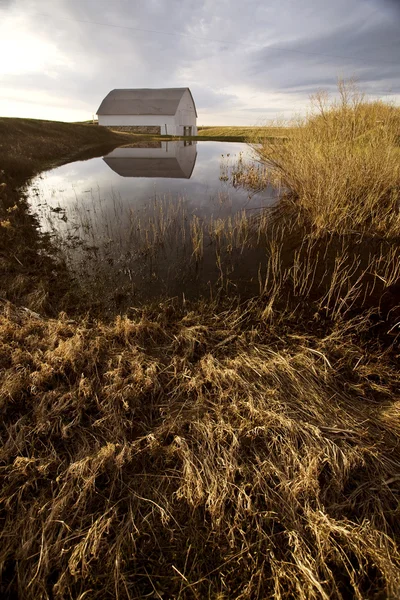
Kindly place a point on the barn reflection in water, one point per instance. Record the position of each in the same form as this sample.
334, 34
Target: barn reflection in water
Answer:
172, 160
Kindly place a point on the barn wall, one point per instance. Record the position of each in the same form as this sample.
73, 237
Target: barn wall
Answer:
186, 114
140, 121
147, 129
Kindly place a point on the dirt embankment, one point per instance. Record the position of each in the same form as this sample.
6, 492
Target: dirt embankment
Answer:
28, 146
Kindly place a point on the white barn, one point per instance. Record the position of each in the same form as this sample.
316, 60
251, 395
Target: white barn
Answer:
168, 111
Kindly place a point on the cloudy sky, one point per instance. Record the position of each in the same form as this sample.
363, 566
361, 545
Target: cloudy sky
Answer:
246, 61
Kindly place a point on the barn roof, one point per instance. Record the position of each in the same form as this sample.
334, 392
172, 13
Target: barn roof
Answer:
145, 101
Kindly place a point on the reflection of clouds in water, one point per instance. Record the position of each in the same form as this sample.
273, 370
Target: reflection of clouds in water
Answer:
135, 233
91, 190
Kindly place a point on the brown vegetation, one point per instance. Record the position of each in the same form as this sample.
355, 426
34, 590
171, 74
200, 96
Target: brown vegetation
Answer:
28, 146
244, 134
342, 168
219, 449
198, 454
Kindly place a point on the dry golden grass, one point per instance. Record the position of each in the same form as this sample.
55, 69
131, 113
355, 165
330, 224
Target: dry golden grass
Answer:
213, 450
222, 449
343, 165
244, 134
28, 146
197, 454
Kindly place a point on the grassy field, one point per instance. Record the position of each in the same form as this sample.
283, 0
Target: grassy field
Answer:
237, 134
28, 146
228, 133
243, 134
221, 448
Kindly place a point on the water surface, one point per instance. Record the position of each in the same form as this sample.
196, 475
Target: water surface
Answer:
139, 219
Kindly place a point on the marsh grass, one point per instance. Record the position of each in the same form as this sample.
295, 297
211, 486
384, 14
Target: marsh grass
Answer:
198, 452
342, 167
245, 134
162, 250
230, 446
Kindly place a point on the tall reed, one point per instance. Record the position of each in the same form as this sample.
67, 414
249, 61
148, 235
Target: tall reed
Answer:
342, 165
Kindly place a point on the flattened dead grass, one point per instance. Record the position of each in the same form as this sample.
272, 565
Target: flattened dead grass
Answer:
185, 454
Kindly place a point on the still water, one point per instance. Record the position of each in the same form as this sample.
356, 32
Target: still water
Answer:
142, 219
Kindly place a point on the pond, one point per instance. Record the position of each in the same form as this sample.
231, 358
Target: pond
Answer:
150, 220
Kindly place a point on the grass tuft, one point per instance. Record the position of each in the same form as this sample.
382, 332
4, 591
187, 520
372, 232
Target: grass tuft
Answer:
342, 166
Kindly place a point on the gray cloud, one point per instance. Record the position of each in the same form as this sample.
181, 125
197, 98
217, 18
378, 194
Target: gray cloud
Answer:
392, 5
368, 50
229, 52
